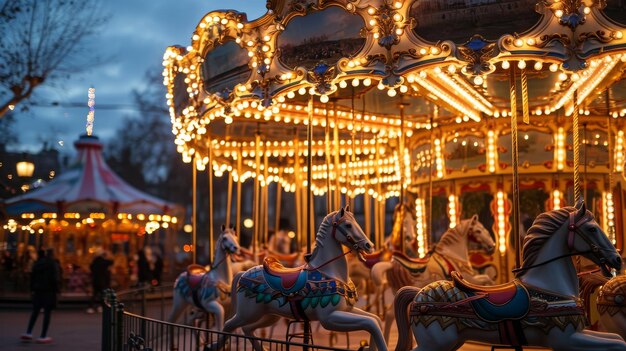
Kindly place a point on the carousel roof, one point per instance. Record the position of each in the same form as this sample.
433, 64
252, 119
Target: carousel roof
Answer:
88, 186
376, 78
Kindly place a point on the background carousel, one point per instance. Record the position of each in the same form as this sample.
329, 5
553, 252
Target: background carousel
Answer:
497, 109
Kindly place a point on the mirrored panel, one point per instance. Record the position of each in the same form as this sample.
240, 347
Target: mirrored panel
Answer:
464, 153
323, 36
224, 67
458, 20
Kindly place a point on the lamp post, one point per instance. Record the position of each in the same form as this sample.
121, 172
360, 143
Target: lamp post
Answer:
25, 170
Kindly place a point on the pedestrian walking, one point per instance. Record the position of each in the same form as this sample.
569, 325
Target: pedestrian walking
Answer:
45, 284
100, 279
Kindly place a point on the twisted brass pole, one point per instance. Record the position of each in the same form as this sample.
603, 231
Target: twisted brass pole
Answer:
516, 221
576, 150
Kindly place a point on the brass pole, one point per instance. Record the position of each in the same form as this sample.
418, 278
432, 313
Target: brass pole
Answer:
211, 198
277, 207
429, 233
337, 172
265, 207
516, 222
256, 201
194, 209
239, 185
329, 193
611, 229
401, 162
309, 177
575, 130
298, 193
229, 198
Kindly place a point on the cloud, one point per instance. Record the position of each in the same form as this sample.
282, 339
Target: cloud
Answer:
132, 42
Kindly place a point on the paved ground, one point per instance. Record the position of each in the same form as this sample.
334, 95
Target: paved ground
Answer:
71, 329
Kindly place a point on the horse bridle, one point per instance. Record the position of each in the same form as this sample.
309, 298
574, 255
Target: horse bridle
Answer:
349, 238
573, 230
226, 250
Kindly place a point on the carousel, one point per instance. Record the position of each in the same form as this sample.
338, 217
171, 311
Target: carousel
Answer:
493, 129
89, 208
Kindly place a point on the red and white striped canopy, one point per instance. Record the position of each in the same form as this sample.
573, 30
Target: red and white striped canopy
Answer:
89, 186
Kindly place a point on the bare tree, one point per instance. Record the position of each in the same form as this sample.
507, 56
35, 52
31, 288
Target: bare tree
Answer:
145, 141
43, 41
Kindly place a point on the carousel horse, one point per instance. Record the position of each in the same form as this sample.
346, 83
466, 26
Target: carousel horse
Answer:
404, 226
320, 290
610, 302
539, 308
449, 254
203, 288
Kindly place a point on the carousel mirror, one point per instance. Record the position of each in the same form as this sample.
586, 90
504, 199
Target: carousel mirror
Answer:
181, 96
322, 36
224, 67
437, 20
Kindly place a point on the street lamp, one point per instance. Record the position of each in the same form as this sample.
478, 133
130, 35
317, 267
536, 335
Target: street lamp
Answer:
25, 170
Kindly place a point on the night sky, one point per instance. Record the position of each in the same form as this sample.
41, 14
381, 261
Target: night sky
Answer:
133, 41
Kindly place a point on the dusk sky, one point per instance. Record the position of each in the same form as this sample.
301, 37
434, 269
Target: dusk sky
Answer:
135, 39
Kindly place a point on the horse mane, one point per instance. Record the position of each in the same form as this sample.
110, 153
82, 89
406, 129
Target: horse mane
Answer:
544, 226
321, 232
453, 235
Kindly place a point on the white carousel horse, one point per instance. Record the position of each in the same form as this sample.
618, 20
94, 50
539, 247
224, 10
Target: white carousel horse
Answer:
320, 290
449, 254
202, 289
610, 302
540, 308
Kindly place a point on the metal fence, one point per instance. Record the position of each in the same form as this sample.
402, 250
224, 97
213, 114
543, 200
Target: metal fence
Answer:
125, 331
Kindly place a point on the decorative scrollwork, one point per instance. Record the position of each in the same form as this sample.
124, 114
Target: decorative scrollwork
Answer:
387, 28
571, 13
217, 33
600, 35
372, 59
322, 76
477, 52
137, 342
545, 40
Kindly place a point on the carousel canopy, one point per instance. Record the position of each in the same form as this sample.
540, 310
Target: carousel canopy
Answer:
89, 187
376, 78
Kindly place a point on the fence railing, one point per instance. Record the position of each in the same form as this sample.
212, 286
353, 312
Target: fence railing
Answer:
126, 331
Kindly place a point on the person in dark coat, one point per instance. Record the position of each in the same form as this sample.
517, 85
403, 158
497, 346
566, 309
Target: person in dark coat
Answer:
100, 279
45, 284
144, 275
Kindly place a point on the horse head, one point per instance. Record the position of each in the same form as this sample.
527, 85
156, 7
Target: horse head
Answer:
595, 245
348, 232
479, 234
229, 242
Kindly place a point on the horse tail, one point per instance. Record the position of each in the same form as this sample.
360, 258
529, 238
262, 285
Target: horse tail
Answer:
398, 276
401, 303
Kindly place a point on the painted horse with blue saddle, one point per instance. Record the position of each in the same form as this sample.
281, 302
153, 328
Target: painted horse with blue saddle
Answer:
320, 290
539, 308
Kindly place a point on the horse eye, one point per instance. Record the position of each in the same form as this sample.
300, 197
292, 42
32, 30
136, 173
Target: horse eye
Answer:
593, 229
349, 226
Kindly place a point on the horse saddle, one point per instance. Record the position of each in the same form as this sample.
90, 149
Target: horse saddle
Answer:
496, 303
374, 257
286, 259
287, 281
194, 275
414, 265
